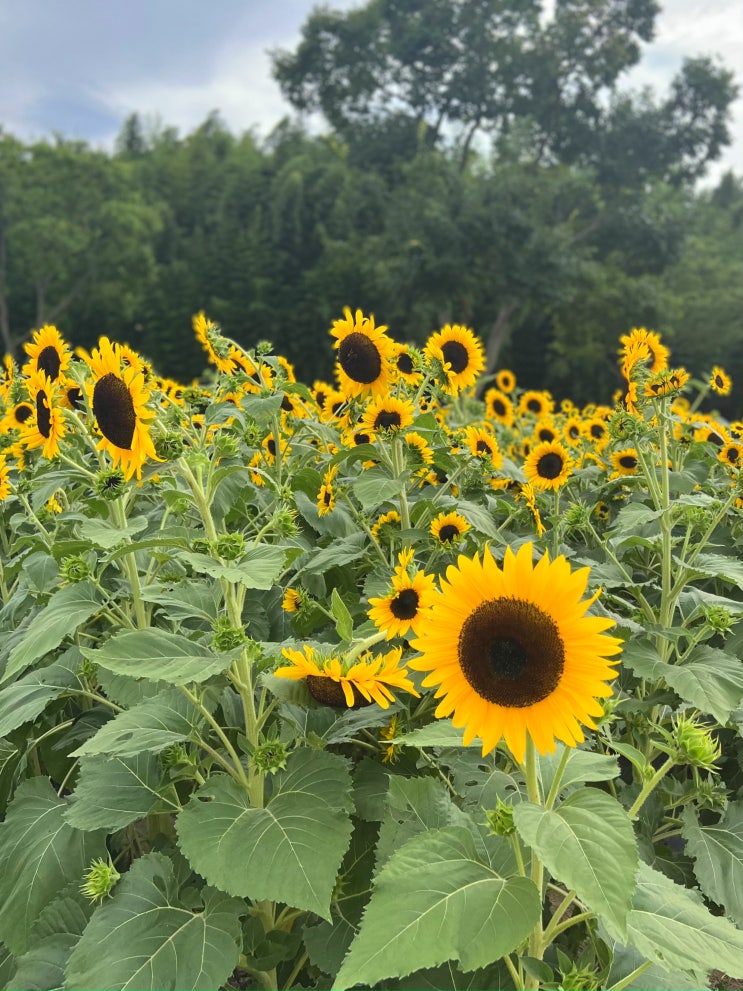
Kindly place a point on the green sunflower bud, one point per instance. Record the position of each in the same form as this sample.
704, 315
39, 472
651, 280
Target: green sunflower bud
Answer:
201, 545
174, 755
227, 637
720, 619
270, 756
74, 569
226, 446
284, 522
169, 447
694, 743
500, 819
100, 879
229, 546
263, 348
576, 517
109, 485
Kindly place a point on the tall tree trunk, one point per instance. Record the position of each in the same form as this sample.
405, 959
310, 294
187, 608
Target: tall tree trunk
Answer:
497, 336
5, 335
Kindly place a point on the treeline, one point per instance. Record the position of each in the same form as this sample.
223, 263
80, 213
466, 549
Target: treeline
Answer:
549, 231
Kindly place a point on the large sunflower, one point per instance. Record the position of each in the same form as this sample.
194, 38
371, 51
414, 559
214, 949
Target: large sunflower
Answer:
119, 402
47, 353
548, 466
406, 604
365, 355
386, 413
461, 354
334, 682
513, 652
45, 427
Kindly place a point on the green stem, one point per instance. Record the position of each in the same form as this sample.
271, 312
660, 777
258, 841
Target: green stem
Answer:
295, 970
515, 976
398, 462
536, 948
632, 976
363, 645
552, 796
649, 786
555, 921
129, 565
518, 854
574, 920
224, 739
667, 602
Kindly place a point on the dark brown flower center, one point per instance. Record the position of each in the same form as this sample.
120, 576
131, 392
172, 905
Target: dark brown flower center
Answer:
114, 411
511, 652
498, 407
732, 454
405, 604
405, 363
387, 419
550, 465
534, 405
49, 362
359, 358
22, 413
74, 397
329, 692
719, 382
628, 461
597, 430
448, 532
456, 355
546, 435
43, 414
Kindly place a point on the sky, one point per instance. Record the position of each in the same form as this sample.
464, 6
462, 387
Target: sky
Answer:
79, 67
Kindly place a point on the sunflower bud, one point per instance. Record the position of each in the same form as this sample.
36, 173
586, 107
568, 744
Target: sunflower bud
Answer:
88, 671
200, 545
74, 569
576, 517
229, 546
100, 879
711, 793
180, 505
720, 619
694, 743
109, 485
227, 637
174, 755
263, 348
226, 446
169, 447
270, 756
624, 426
284, 522
500, 819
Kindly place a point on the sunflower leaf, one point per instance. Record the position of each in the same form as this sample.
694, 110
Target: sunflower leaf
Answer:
23, 700
289, 851
375, 487
159, 655
718, 857
112, 792
710, 679
436, 900
152, 940
588, 843
106, 535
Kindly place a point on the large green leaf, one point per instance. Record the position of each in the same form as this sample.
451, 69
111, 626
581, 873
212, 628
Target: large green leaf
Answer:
721, 566
152, 725
439, 733
711, 679
39, 854
288, 851
259, 568
436, 900
144, 938
7, 966
589, 844
159, 655
111, 792
375, 487
718, 857
107, 535
669, 925
23, 700
56, 932
66, 609
581, 766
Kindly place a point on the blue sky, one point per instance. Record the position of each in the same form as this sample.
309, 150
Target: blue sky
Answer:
80, 66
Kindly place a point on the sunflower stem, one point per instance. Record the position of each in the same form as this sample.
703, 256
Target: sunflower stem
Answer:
554, 789
649, 787
398, 462
631, 977
515, 976
363, 645
667, 602
129, 565
536, 946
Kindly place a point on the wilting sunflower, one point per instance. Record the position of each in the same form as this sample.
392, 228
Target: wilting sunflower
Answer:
448, 527
548, 466
624, 462
5, 487
513, 652
461, 354
539, 404
505, 380
720, 381
47, 353
45, 427
386, 413
336, 682
498, 406
118, 399
387, 524
365, 353
405, 606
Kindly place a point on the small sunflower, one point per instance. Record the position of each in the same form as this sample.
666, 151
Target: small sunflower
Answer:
386, 413
405, 365
45, 428
293, 600
448, 527
217, 347
529, 496
597, 432
387, 524
602, 511
482, 444
118, 399
405, 606
638, 337
720, 382
461, 354
364, 366
513, 652
336, 682
731, 454
419, 450
326, 495
16, 416
545, 431
624, 462
47, 353
505, 380
572, 431
498, 406
538, 404
667, 383
548, 466
5, 486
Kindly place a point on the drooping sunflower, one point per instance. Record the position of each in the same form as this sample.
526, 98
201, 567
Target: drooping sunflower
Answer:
461, 354
539, 404
118, 399
513, 651
624, 462
335, 682
45, 427
386, 413
505, 380
406, 604
720, 382
448, 527
5, 487
326, 495
548, 466
217, 347
498, 406
293, 600
364, 365
386, 525
657, 353
419, 450
47, 353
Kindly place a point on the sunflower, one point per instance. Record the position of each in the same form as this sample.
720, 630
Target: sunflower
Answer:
217, 347
448, 527
293, 600
45, 428
364, 366
624, 462
405, 365
572, 430
386, 524
461, 354
47, 353
602, 511
545, 431
498, 406
529, 496
539, 404
385, 413
482, 444
548, 466
597, 432
505, 380
657, 353
708, 434
5, 487
118, 399
326, 495
731, 454
720, 382
406, 604
419, 450
337, 682
16, 416
513, 652
667, 383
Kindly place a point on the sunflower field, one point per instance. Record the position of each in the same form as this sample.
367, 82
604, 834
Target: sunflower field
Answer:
411, 679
